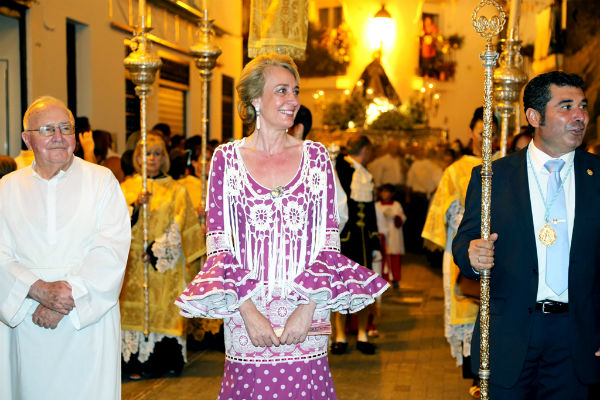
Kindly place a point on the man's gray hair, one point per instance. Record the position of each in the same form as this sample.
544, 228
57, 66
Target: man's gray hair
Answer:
42, 102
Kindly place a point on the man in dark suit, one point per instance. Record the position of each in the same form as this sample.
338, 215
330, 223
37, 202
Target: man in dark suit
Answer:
544, 252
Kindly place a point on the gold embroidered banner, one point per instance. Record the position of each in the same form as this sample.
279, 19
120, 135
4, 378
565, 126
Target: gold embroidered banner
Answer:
279, 26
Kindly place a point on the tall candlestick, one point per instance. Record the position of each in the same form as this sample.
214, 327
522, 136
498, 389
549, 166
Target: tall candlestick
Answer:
205, 52
142, 65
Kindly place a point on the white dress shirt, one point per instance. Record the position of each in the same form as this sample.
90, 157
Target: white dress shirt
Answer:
424, 176
361, 187
386, 169
538, 159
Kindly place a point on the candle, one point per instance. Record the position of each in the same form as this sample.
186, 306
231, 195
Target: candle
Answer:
513, 20
142, 12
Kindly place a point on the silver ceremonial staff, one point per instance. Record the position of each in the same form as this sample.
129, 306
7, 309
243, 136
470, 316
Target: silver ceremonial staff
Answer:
509, 78
486, 28
142, 65
205, 51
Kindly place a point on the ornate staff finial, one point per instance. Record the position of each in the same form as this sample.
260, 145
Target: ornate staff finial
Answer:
487, 28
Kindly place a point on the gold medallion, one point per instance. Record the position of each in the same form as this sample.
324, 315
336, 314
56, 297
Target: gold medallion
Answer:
547, 235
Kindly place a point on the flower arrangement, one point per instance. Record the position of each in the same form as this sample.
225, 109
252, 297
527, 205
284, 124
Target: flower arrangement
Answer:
409, 115
350, 111
378, 113
437, 55
327, 51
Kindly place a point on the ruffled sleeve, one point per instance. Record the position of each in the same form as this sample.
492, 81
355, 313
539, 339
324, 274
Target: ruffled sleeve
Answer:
332, 280
218, 290
223, 283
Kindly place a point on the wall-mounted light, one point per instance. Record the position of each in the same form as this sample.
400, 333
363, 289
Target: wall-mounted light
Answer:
382, 30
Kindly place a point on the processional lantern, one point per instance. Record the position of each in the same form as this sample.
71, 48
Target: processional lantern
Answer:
486, 28
142, 65
205, 51
509, 78
381, 30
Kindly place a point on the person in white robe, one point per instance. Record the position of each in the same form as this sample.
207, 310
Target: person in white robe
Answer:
64, 239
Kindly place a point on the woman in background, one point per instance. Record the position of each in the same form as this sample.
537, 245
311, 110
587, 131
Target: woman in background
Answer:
7, 165
175, 243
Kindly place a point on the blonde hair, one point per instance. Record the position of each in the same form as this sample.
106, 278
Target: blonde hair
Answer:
42, 102
252, 82
152, 140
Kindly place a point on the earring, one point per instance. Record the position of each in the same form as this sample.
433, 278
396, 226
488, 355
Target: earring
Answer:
257, 118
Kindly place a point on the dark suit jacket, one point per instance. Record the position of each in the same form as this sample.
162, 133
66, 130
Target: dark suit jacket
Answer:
514, 278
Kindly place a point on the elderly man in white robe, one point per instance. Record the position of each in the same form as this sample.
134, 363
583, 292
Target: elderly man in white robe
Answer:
64, 239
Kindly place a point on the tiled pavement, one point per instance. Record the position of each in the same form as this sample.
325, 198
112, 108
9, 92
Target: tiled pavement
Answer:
412, 362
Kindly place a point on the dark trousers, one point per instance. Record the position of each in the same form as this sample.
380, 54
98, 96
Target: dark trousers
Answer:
166, 358
548, 372
416, 212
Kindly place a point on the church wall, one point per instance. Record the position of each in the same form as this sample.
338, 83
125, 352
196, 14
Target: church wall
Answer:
10, 119
101, 51
459, 95
463, 94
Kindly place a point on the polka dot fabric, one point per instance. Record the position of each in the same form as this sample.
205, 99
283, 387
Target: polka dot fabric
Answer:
302, 380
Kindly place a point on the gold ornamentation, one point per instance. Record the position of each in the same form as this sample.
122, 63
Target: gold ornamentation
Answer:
486, 28
590, 172
547, 235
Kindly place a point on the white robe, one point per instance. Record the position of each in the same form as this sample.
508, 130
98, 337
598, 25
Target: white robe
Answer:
73, 227
394, 236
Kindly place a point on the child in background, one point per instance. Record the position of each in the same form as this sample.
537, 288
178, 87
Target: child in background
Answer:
390, 218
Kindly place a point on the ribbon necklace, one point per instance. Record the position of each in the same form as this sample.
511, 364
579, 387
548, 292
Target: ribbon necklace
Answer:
547, 234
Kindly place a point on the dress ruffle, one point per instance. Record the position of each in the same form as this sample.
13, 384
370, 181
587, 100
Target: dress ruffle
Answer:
218, 290
335, 282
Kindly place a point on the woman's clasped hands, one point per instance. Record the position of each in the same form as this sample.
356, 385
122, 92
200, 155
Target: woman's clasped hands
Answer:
261, 331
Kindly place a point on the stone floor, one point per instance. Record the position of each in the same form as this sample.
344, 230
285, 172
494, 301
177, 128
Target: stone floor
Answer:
413, 359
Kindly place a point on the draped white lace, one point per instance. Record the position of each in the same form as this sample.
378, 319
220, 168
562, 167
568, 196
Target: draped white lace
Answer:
167, 248
279, 230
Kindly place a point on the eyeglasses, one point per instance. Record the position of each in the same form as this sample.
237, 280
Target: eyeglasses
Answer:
66, 128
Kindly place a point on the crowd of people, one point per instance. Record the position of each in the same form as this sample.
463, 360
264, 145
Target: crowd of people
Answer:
95, 270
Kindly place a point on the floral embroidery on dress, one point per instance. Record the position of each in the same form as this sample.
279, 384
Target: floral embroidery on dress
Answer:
216, 242
318, 181
261, 217
332, 240
295, 215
